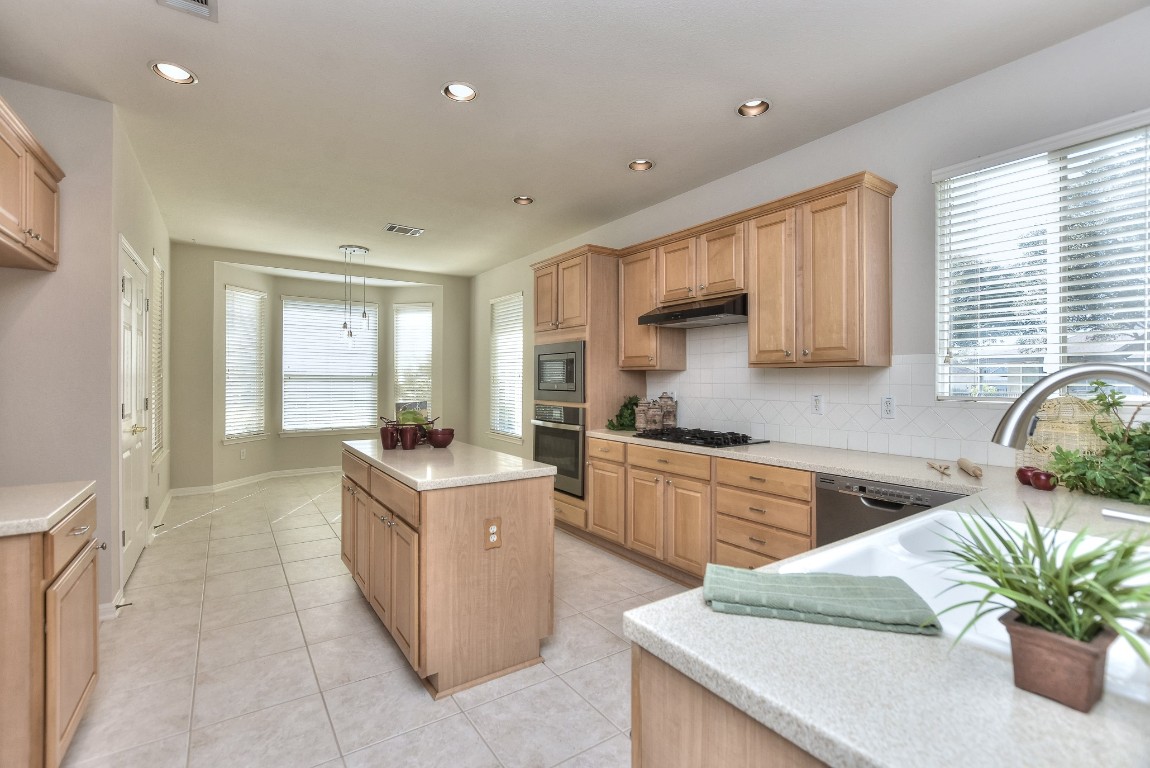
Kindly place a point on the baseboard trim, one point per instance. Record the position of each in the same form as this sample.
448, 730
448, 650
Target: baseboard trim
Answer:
109, 611
158, 520
192, 490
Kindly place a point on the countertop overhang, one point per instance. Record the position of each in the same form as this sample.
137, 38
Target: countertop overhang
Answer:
36, 508
424, 468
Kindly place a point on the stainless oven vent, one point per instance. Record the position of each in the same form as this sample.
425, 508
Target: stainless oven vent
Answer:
204, 9
400, 229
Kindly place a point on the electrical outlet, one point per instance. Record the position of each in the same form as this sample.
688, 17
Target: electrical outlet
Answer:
492, 533
243, 453
817, 405
886, 408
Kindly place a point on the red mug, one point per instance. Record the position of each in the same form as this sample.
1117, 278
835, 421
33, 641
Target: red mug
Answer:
408, 436
389, 436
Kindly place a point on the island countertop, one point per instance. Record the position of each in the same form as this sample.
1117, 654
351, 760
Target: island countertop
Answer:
424, 468
36, 508
853, 697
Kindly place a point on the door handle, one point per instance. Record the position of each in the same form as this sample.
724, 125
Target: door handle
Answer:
137, 429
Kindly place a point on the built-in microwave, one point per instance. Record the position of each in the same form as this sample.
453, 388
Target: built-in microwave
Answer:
559, 372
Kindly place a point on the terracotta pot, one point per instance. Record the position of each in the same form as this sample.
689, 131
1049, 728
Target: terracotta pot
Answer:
389, 436
1058, 667
408, 436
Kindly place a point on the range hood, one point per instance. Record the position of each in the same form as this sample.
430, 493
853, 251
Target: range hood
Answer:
698, 314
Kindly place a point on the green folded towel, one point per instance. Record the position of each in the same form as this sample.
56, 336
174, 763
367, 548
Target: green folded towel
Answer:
884, 603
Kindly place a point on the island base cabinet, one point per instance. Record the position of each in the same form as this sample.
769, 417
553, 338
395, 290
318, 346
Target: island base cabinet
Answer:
71, 622
677, 723
404, 562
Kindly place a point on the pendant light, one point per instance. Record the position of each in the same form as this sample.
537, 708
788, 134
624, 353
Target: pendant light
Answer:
348, 297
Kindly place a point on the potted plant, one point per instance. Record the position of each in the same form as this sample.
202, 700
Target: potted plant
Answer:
1066, 600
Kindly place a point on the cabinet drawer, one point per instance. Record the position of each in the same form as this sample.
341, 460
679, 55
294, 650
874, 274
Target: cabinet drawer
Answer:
570, 514
69, 536
761, 508
781, 481
355, 469
725, 554
759, 538
675, 462
396, 496
606, 450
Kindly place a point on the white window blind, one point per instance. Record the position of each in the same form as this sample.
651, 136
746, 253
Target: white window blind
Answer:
330, 379
413, 325
156, 359
507, 365
1043, 263
245, 337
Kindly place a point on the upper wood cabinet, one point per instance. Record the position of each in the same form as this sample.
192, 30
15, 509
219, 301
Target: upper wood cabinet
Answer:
29, 198
561, 295
645, 347
711, 264
820, 284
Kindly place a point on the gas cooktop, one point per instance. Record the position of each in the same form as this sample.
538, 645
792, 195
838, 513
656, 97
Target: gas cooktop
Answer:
703, 437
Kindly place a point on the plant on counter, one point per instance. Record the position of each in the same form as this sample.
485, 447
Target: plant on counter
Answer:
1121, 470
1079, 591
625, 418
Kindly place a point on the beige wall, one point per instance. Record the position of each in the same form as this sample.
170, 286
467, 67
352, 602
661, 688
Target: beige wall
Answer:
1097, 76
59, 387
200, 457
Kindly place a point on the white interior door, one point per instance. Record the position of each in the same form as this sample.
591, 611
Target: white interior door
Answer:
134, 453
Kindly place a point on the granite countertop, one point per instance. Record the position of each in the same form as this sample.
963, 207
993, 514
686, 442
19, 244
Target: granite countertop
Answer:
859, 698
426, 469
36, 508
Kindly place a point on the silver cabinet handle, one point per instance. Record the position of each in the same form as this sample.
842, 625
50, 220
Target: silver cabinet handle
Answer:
650, 358
37, 237
79, 530
702, 286
757, 509
28, 232
786, 353
806, 353
757, 479
757, 541
668, 482
662, 461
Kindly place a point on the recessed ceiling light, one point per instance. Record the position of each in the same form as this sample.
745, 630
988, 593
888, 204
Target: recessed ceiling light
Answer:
753, 108
174, 72
641, 165
522, 200
460, 91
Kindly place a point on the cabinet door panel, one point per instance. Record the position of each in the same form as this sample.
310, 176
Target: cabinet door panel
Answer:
638, 344
722, 261
380, 572
71, 645
362, 571
347, 525
43, 211
572, 292
771, 331
12, 184
546, 298
606, 500
688, 504
405, 590
831, 279
645, 513
676, 271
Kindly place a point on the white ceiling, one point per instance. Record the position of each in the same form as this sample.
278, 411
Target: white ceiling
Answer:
318, 123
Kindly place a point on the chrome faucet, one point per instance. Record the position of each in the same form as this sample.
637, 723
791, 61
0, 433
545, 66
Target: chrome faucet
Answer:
1014, 428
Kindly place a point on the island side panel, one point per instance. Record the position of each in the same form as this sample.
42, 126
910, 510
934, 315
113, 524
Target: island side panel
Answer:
485, 610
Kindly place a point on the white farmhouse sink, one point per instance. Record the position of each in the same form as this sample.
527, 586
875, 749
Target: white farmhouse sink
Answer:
912, 551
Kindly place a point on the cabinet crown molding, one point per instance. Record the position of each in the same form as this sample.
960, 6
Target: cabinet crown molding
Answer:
601, 250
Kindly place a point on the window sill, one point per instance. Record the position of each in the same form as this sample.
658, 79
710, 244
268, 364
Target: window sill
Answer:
505, 438
244, 439
329, 432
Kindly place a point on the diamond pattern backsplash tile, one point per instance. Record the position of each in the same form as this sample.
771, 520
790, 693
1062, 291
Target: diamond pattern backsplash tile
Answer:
718, 391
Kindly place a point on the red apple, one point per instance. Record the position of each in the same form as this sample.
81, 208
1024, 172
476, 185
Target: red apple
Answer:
1043, 481
1024, 474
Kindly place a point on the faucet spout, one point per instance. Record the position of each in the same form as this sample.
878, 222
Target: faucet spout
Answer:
1013, 430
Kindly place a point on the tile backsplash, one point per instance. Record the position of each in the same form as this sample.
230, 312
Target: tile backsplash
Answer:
719, 391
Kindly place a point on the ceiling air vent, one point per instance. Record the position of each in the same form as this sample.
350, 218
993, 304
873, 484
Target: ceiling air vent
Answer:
399, 229
205, 9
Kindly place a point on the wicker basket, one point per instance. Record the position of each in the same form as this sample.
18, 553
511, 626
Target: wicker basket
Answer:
1064, 422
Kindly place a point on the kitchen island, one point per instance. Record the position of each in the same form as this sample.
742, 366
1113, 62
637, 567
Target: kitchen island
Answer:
453, 549
849, 697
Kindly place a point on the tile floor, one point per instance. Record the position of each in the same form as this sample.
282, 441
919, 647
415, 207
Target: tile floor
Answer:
247, 644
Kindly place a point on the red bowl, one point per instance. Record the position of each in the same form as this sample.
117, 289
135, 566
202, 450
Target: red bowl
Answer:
440, 438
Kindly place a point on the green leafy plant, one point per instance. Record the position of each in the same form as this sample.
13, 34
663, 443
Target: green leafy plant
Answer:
625, 418
1121, 470
1073, 589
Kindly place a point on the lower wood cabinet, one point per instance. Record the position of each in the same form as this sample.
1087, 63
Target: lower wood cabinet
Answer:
762, 513
606, 500
645, 516
71, 630
393, 588
362, 538
669, 518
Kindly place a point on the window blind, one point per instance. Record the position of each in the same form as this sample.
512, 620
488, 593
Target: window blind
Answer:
156, 358
413, 326
245, 337
507, 365
1043, 263
330, 380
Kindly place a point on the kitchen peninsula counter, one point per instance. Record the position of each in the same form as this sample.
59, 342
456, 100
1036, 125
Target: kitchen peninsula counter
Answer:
36, 508
425, 468
851, 697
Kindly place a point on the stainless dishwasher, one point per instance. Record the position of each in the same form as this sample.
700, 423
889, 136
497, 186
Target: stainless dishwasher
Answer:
845, 506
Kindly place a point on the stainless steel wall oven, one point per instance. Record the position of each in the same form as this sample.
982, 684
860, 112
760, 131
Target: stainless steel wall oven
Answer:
559, 432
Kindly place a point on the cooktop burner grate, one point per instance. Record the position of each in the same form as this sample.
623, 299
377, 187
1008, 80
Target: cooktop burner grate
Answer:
703, 437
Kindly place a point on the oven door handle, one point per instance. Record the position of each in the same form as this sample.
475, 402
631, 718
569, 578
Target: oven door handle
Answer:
554, 425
